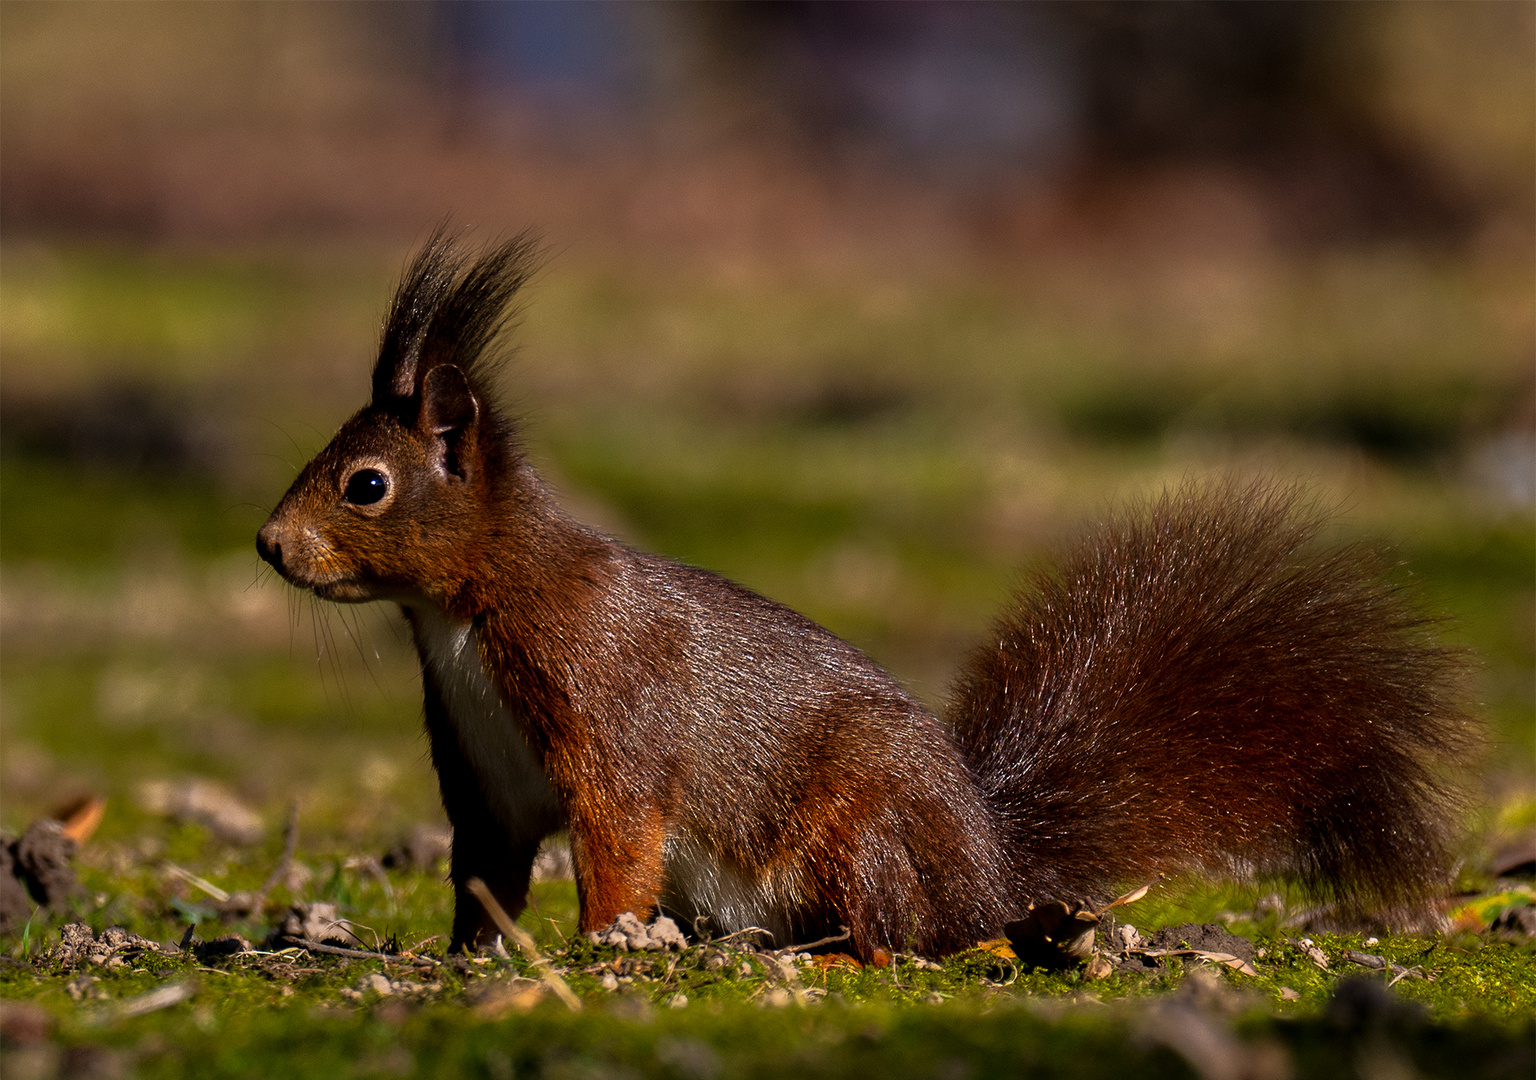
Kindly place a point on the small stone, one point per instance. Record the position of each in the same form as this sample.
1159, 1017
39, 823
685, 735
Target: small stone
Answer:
628, 933
634, 931
610, 981
421, 849
377, 983
115, 937
678, 1001
204, 801
78, 945
664, 934
1098, 968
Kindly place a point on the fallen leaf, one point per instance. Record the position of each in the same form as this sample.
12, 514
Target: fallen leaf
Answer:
1052, 936
826, 961
81, 819
1128, 898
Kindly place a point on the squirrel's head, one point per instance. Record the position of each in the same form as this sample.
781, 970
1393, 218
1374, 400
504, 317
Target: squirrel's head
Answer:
397, 506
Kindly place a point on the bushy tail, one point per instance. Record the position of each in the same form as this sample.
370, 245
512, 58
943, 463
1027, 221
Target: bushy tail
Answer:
1196, 687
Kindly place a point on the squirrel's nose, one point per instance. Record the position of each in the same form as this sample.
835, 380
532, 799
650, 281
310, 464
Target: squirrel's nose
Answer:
269, 545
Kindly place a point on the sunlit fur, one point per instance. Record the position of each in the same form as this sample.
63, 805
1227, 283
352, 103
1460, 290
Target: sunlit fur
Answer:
1199, 686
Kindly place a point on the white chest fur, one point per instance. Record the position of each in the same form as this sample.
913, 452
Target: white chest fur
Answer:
490, 734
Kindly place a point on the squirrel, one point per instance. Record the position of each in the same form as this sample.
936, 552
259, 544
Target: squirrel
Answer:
1195, 687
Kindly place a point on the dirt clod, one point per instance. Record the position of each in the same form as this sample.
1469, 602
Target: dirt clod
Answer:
15, 904
1204, 937
40, 862
78, 945
316, 922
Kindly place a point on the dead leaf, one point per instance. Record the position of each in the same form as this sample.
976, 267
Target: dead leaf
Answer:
1127, 898
1052, 936
827, 961
1236, 963
82, 817
1312, 953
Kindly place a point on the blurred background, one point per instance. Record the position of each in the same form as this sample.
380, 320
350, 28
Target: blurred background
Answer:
862, 305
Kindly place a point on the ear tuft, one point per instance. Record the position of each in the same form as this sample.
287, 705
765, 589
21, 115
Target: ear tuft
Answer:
451, 308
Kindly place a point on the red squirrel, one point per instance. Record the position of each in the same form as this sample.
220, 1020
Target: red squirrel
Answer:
1195, 687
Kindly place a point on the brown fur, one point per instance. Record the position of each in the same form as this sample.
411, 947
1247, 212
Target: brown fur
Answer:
1192, 690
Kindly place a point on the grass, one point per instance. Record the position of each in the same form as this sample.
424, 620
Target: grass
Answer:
746, 1013
881, 453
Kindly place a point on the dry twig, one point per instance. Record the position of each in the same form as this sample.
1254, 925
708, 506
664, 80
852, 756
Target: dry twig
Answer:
525, 942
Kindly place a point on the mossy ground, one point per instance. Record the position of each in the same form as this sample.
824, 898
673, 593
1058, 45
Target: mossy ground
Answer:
747, 1013
799, 435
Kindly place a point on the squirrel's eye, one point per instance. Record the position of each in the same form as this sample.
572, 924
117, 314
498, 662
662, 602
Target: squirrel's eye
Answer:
366, 487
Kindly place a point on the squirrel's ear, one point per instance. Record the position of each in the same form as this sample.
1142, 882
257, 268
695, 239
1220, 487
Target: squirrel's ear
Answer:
450, 413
